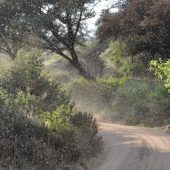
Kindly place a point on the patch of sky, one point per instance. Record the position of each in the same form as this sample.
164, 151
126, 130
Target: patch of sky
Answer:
101, 5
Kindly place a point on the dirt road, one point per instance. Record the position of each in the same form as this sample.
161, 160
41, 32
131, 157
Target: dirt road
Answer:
134, 148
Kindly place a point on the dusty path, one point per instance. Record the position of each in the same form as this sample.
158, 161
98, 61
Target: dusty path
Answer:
133, 148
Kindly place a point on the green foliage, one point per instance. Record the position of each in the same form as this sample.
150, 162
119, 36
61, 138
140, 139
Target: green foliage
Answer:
87, 131
131, 101
5, 100
44, 147
113, 81
81, 81
31, 28
26, 72
58, 119
141, 102
162, 70
30, 140
29, 87
26, 144
143, 25
127, 68
161, 97
117, 55
65, 122
116, 51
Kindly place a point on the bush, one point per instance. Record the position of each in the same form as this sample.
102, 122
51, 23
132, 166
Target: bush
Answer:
29, 86
29, 139
115, 53
91, 97
162, 70
131, 102
25, 144
25, 72
118, 57
141, 102
87, 131
113, 81
159, 106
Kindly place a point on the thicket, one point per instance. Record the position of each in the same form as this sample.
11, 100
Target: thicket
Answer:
138, 33
128, 100
132, 94
39, 127
144, 26
143, 102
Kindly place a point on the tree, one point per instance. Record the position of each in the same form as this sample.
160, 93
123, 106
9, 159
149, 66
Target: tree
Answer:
11, 34
143, 24
149, 20
109, 27
57, 24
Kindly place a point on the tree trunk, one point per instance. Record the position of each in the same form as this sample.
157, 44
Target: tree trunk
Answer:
12, 55
76, 64
73, 60
81, 70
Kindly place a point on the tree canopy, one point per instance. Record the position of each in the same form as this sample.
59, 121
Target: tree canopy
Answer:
144, 24
57, 24
11, 33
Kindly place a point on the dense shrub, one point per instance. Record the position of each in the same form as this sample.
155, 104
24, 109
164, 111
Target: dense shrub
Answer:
92, 96
35, 120
132, 100
143, 24
159, 106
115, 53
25, 144
142, 102
118, 57
87, 130
29, 86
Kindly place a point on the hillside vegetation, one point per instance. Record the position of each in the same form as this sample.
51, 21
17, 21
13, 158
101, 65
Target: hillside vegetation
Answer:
126, 89
55, 80
39, 126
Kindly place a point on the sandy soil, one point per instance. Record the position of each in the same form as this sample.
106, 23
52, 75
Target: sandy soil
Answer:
133, 148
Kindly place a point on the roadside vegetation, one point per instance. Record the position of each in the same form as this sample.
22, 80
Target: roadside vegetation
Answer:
127, 92
56, 79
39, 126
